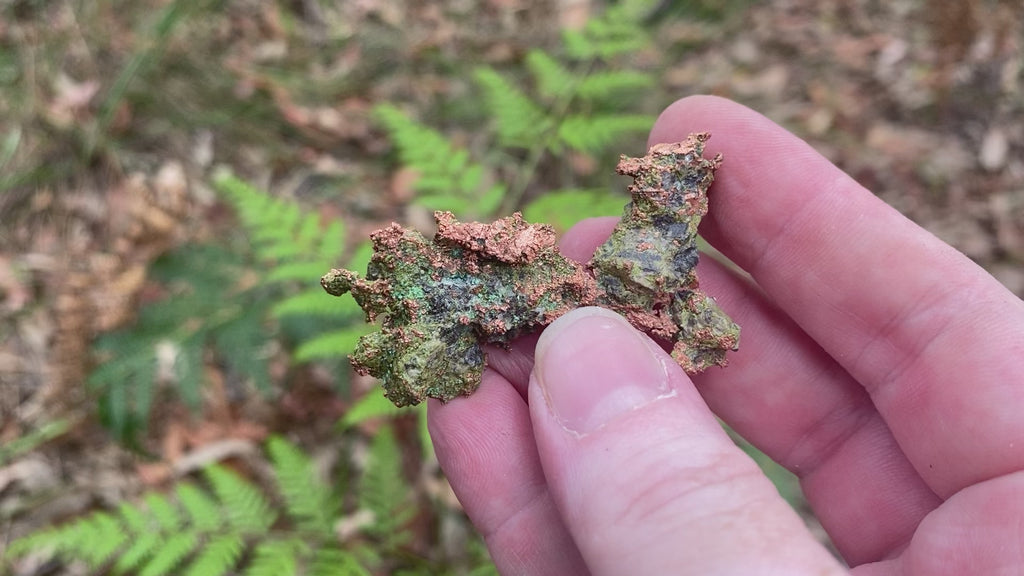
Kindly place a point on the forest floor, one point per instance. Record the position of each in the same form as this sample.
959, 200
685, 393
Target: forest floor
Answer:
111, 125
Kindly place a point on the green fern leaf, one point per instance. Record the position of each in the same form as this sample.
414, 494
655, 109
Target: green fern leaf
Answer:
316, 302
106, 537
336, 562
360, 257
281, 230
305, 272
518, 120
447, 178
307, 499
564, 208
593, 134
600, 85
491, 200
170, 553
247, 509
134, 519
188, 367
167, 518
435, 202
202, 512
553, 80
217, 557
331, 243
384, 492
43, 543
419, 147
139, 549
243, 344
617, 31
373, 404
338, 343
276, 558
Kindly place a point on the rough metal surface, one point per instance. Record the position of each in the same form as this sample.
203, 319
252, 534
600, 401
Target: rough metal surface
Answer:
439, 300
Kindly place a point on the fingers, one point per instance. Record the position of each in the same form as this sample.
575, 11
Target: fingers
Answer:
485, 446
785, 394
906, 315
516, 363
645, 478
795, 403
977, 531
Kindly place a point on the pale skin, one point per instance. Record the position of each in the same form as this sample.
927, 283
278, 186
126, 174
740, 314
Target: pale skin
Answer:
877, 363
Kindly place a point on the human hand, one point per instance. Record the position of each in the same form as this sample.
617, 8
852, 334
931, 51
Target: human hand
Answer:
877, 363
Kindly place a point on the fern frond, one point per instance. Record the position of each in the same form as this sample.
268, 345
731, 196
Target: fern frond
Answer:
202, 512
593, 134
444, 202
217, 557
519, 121
564, 208
336, 562
276, 558
307, 499
419, 147
166, 515
315, 302
383, 490
553, 80
600, 85
305, 272
188, 367
247, 509
617, 31
447, 177
106, 536
360, 257
139, 549
170, 553
92, 539
373, 404
334, 344
281, 230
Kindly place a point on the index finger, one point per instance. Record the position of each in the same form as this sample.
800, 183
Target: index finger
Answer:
936, 341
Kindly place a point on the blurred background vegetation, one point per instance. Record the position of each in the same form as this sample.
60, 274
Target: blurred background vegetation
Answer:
175, 175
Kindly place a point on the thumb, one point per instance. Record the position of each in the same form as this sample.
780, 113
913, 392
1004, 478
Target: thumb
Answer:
642, 473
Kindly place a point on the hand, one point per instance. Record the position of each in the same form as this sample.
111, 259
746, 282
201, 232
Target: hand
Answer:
877, 363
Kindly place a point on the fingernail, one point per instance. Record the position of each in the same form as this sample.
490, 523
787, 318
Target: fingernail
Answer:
593, 367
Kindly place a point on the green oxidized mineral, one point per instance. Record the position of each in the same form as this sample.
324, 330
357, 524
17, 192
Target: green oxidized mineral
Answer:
438, 301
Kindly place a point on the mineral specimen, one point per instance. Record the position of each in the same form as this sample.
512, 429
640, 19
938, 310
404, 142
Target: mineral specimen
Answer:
646, 270
439, 301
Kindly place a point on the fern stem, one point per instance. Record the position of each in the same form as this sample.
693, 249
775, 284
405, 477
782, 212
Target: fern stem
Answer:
524, 175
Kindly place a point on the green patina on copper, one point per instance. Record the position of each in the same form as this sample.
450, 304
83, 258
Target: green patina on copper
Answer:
439, 300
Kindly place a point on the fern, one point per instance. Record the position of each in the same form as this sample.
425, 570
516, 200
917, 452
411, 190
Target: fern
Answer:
206, 306
602, 85
447, 178
229, 525
308, 499
331, 344
212, 531
563, 208
595, 133
383, 491
222, 303
618, 31
552, 78
519, 121
576, 103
